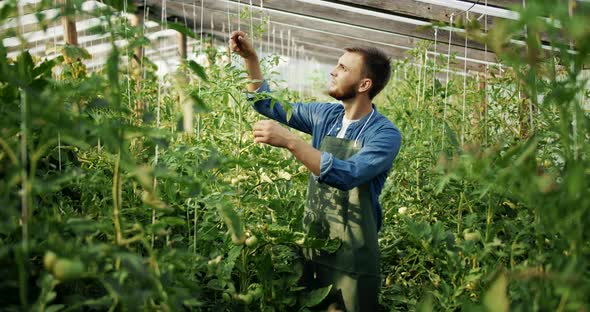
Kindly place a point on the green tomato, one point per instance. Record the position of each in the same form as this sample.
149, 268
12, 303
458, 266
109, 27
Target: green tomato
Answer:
245, 298
251, 241
472, 236
255, 290
65, 269
49, 260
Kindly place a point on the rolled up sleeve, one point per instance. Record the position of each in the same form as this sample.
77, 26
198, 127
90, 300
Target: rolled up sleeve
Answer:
374, 158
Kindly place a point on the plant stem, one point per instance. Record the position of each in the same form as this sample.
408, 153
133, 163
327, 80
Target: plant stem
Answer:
24, 176
460, 213
117, 199
488, 219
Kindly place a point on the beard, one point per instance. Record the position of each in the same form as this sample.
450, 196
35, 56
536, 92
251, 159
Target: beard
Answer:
346, 94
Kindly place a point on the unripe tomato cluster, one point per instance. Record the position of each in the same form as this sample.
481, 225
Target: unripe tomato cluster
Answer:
62, 268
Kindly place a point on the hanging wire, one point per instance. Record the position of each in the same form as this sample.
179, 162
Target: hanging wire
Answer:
58, 131
143, 31
195, 16
471, 7
239, 16
433, 85
419, 85
424, 83
268, 47
185, 24
282, 45
158, 109
127, 53
464, 90
229, 22
261, 19
447, 85
198, 124
250, 8
485, 126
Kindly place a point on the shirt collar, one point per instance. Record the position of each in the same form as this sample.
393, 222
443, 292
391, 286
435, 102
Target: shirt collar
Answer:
358, 121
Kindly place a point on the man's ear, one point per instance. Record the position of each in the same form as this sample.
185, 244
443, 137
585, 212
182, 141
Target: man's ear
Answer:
365, 85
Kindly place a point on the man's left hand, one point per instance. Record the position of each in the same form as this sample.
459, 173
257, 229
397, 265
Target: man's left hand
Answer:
270, 132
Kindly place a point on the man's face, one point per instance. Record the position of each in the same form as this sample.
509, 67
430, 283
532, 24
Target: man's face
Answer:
346, 77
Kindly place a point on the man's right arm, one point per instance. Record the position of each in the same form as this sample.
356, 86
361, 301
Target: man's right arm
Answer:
302, 117
240, 45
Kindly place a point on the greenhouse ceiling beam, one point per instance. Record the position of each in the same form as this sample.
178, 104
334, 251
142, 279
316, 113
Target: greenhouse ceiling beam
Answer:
509, 4
410, 42
320, 51
481, 9
411, 9
54, 35
96, 45
343, 29
336, 30
441, 11
393, 20
335, 40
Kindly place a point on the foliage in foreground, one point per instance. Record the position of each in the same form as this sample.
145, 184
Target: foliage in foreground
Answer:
172, 207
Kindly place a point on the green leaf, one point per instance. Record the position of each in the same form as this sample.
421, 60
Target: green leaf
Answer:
230, 262
192, 303
198, 69
425, 305
113, 67
496, 299
316, 296
46, 66
451, 136
198, 103
233, 222
172, 220
182, 29
25, 66
75, 52
54, 308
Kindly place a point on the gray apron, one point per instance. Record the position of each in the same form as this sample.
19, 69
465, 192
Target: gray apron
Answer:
330, 213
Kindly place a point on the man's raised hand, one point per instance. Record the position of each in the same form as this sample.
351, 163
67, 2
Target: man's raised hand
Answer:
239, 43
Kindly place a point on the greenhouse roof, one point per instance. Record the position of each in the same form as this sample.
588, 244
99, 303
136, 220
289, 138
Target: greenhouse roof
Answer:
314, 29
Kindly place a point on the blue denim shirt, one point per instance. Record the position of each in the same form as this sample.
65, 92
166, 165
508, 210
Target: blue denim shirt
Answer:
380, 143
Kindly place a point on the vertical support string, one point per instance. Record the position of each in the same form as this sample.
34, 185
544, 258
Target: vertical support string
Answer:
239, 16
435, 53
261, 40
464, 88
250, 8
419, 85
274, 40
447, 83
268, 31
485, 123
424, 84
282, 44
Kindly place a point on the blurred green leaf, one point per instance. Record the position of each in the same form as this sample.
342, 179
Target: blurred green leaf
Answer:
197, 69
496, 298
316, 296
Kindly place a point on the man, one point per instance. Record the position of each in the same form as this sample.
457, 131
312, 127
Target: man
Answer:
353, 148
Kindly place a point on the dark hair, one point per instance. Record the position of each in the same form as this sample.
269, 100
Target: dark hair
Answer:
376, 67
